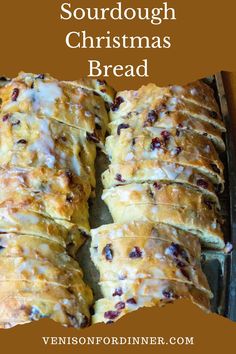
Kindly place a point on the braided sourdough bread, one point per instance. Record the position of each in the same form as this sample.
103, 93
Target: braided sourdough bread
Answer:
161, 190
49, 131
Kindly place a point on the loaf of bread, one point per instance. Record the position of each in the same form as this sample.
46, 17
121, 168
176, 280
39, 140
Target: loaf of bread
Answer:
161, 189
146, 264
49, 131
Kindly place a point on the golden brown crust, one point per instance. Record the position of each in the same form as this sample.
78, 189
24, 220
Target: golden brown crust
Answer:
149, 120
60, 100
45, 180
37, 142
157, 172
23, 302
138, 257
99, 86
146, 231
160, 293
170, 99
186, 149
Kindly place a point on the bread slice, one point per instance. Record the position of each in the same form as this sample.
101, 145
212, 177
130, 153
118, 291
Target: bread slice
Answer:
188, 214
149, 120
110, 310
37, 142
168, 99
157, 172
63, 101
176, 195
98, 86
45, 181
147, 231
150, 256
35, 247
187, 149
68, 207
22, 302
29, 223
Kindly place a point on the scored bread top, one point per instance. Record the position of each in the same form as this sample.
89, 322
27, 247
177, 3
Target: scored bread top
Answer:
151, 119
187, 149
167, 99
57, 100
157, 172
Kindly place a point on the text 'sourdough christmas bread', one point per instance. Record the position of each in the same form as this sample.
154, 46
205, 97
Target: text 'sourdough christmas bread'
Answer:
48, 136
162, 191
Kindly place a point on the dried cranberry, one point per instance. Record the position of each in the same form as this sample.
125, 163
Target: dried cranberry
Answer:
156, 143
22, 141
157, 185
152, 117
122, 126
208, 204
179, 263
15, 94
202, 183
135, 253
177, 150
111, 315
115, 106
165, 134
213, 114
180, 126
215, 168
6, 117
92, 137
119, 178
168, 294
177, 251
120, 305
63, 138
131, 301
118, 292
107, 252
69, 198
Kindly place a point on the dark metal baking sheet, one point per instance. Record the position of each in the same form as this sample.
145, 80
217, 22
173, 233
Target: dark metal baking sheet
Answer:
220, 268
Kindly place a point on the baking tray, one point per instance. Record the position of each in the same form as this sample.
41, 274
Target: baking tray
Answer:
220, 268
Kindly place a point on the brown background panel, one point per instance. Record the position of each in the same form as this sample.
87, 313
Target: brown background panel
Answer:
32, 39
212, 333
